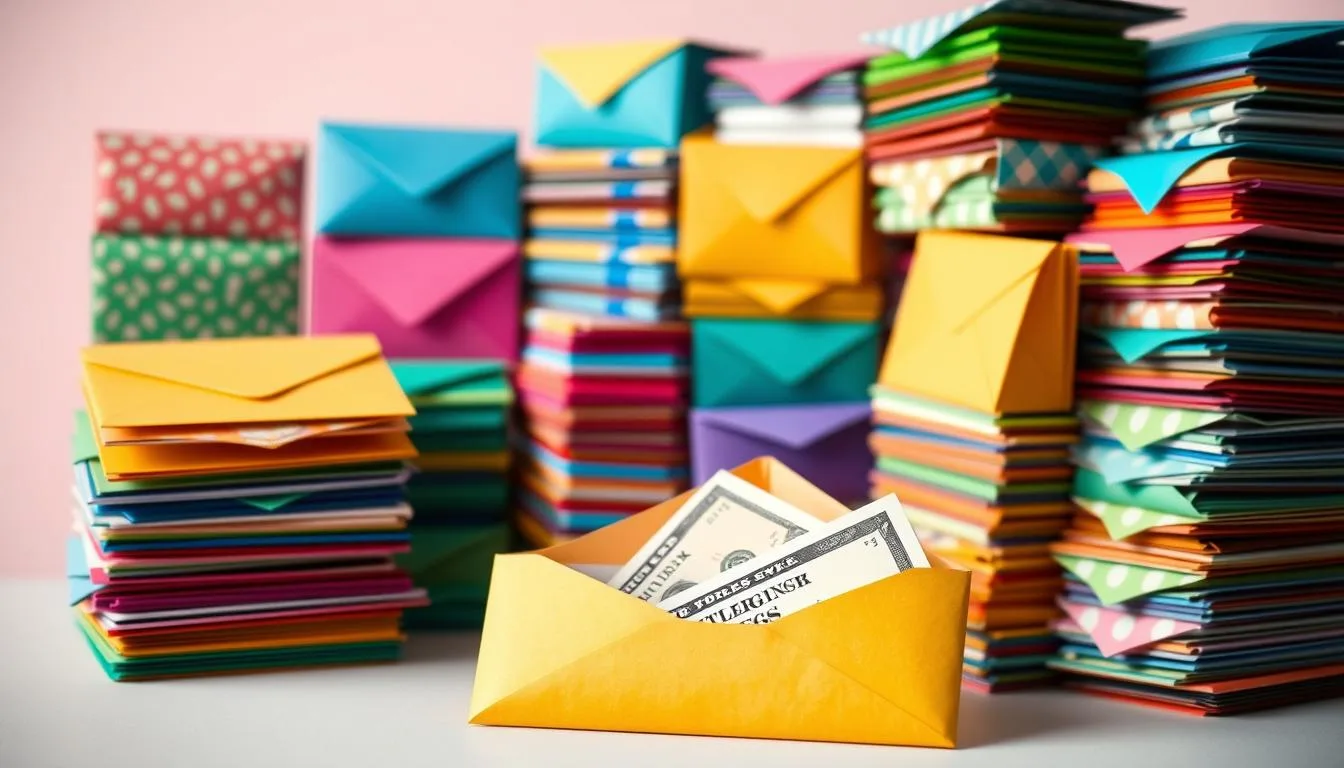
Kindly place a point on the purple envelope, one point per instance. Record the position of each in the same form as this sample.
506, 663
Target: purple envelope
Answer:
827, 444
453, 298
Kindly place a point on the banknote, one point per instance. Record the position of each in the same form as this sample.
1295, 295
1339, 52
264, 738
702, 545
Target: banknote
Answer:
726, 522
860, 548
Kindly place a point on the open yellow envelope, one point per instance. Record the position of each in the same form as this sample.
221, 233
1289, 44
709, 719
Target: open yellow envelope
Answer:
774, 212
282, 379
987, 323
880, 664
795, 299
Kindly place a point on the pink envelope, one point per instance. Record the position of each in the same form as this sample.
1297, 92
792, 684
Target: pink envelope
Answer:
1137, 248
440, 298
776, 80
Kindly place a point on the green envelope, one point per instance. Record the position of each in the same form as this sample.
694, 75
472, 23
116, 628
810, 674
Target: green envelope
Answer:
453, 564
154, 288
432, 384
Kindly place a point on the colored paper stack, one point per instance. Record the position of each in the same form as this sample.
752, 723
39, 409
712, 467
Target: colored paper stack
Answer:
460, 492
237, 506
605, 373
782, 274
988, 117
418, 244
973, 414
1203, 565
196, 237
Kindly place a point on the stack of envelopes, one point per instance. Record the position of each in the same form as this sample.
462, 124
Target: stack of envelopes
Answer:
808, 100
973, 424
238, 504
602, 232
460, 491
986, 118
604, 404
1204, 565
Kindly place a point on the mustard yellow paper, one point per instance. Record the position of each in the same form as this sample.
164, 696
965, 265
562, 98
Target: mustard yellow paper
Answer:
881, 664
771, 212
595, 72
987, 323
795, 299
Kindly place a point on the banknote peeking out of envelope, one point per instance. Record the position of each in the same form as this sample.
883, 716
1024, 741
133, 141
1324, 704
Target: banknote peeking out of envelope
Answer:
240, 405
624, 94
987, 322
880, 664
775, 212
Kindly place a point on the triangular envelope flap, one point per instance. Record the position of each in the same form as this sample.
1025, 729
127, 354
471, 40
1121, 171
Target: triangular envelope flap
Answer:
272, 503
793, 352
1137, 248
594, 73
1134, 344
228, 366
1115, 630
1151, 175
981, 270
84, 447
420, 377
414, 279
422, 161
777, 80
770, 181
780, 296
793, 426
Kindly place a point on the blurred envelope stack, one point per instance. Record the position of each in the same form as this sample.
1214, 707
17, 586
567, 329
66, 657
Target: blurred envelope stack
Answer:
237, 506
606, 372
604, 407
803, 100
1203, 564
460, 491
987, 118
973, 425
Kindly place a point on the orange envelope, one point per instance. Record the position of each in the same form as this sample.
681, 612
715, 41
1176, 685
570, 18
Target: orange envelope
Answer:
772, 212
795, 299
282, 379
988, 323
879, 665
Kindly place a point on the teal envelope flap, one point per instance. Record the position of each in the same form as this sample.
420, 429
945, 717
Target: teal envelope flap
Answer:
422, 161
423, 377
1231, 43
272, 503
1134, 344
791, 351
1160, 498
1151, 175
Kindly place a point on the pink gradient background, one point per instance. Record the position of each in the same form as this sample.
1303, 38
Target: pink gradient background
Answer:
275, 67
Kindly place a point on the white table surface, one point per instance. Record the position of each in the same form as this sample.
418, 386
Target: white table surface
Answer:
57, 710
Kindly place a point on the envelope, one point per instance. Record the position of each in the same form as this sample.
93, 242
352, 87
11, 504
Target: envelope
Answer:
827, 443
773, 212
771, 362
622, 95
416, 181
563, 650
797, 299
776, 81
240, 381
198, 186
1269, 44
424, 298
454, 383
995, 317
452, 564
155, 288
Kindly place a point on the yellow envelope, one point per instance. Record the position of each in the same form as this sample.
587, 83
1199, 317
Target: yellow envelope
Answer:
135, 462
774, 212
795, 299
880, 664
240, 381
987, 323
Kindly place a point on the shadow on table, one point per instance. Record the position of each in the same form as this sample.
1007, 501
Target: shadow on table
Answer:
1006, 717
433, 646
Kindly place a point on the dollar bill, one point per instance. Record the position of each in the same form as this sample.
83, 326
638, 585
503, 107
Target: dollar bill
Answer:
728, 521
855, 550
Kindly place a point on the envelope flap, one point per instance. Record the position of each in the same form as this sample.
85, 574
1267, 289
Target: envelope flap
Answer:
923, 184
423, 377
776, 80
776, 348
84, 447
796, 427
978, 271
780, 296
1137, 248
1137, 426
414, 279
770, 181
1117, 582
1151, 175
78, 584
595, 73
1115, 630
1134, 344
422, 161
249, 368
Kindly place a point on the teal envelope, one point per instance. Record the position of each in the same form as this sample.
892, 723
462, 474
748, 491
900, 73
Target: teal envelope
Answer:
393, 181
622, 95
452, 563
782, 362
444, 383
1303, 43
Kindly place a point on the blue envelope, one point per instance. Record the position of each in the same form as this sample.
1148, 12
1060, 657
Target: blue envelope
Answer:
623, 95
1273, 43
417, 182
781, 362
